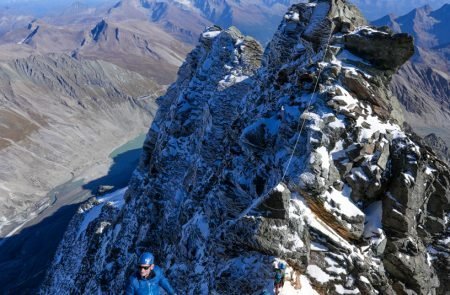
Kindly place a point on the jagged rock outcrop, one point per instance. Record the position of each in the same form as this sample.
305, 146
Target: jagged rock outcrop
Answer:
384, 50
245, 166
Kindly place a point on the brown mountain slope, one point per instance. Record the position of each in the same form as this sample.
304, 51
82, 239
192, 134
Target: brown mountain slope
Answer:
425, 96
423, 84
135, 45
60, 115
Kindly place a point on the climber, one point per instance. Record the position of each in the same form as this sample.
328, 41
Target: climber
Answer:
279, 277
148, 279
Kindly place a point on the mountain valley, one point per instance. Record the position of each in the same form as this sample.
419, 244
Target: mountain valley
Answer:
225, 154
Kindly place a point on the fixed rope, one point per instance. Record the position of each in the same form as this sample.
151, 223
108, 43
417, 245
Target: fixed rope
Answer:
307, 108
299, 129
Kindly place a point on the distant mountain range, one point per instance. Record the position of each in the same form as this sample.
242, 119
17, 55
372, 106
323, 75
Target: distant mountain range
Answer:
429, 28
423, 83
81, 66
146, 36
230, 184
120, 34
72, 88
78, 82
151, 38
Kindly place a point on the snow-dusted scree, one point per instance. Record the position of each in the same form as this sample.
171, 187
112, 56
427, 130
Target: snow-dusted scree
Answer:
361, 208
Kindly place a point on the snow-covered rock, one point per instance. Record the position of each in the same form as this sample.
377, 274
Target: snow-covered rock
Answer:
248, 165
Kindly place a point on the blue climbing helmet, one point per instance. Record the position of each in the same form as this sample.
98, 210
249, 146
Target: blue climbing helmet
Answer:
146, 258
281, 265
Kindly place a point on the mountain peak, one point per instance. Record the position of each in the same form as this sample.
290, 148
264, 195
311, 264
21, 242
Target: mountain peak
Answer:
442, 13
388, 20
427, 8
99, 30
131, 3
296, 160
78, 5
420, 11
129, 9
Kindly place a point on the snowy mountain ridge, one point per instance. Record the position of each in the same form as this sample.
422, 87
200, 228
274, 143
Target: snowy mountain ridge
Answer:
294, 154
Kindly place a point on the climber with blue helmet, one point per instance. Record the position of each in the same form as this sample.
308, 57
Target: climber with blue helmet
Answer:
279, 277
148, 279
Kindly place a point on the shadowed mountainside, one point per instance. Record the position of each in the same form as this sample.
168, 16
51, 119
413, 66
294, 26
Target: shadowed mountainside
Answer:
60, 115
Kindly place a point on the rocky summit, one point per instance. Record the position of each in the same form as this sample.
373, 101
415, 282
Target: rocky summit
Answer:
294, 154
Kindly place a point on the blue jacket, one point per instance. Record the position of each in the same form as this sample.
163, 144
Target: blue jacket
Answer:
150, 286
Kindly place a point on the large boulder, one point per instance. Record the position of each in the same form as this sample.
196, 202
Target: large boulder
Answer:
385, 50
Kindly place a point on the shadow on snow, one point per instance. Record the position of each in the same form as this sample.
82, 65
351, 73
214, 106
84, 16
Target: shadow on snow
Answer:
26, 256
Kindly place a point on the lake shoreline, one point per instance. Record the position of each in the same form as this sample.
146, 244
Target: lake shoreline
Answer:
32, 244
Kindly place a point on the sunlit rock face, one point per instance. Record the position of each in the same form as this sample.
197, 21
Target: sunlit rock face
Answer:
293, 155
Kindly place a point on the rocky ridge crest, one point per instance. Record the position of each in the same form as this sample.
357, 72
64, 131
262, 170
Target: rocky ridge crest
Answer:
291, 155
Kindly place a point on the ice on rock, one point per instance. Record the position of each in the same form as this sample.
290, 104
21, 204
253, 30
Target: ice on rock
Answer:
280, 188
341, 290
318, 274
292, 16
409, 179
373, 220
314, 221
324, 157
115, 199
342, 202
211, 35
367, 30
338, 123
318, 247
375, 126
364, 279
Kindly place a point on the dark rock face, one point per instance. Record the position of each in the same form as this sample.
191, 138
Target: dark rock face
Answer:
384, 50
97, 31
298, 161
375, 96
416, 206
438, 145
276, 205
